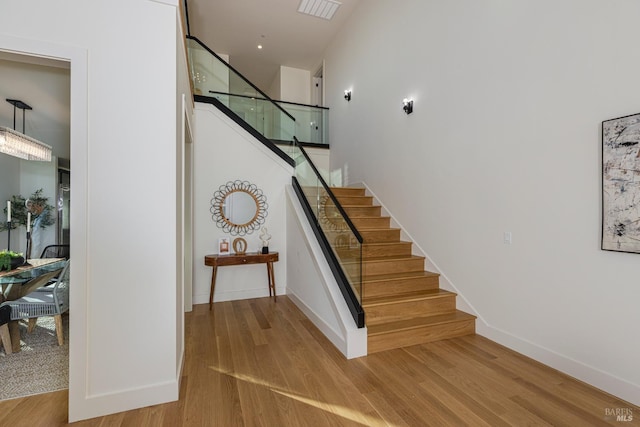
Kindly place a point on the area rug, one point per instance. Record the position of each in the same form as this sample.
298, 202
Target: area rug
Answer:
41, 366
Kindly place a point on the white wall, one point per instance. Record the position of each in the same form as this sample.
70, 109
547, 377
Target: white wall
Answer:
295, 85
505, 136
275, 89
123, 215
225, 152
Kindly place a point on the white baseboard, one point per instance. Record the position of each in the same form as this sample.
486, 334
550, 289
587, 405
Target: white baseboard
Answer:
593, 376
319, 322
237, 295
123, 400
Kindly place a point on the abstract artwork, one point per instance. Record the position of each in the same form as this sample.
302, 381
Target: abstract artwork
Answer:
621, 184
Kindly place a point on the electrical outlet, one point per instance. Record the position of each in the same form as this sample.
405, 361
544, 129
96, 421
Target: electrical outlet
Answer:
507, 238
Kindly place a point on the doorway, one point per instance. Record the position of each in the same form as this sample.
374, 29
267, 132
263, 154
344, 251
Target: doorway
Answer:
76, 59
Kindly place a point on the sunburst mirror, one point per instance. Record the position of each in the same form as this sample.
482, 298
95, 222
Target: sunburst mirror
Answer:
239, 207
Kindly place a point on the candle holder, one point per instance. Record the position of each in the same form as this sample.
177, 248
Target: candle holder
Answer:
27, 253
8, 235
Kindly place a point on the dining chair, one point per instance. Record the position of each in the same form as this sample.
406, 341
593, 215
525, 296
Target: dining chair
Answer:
5, 317
41, 303
55, 251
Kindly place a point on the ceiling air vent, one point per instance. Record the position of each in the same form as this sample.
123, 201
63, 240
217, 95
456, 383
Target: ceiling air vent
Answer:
319, 8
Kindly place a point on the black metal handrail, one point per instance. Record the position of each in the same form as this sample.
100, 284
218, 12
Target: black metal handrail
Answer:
265, 96
277, 101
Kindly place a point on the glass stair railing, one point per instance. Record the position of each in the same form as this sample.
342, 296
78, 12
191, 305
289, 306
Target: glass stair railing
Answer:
216, 82
312, 123
339, 239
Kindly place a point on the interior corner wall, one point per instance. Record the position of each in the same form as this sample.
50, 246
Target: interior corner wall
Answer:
275, 89
123, 232
184, 263
224, 152
295, 85
504, 137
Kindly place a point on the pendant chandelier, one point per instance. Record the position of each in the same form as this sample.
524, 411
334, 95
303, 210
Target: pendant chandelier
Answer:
20, 145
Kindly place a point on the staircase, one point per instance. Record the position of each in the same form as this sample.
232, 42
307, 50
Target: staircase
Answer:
403, 303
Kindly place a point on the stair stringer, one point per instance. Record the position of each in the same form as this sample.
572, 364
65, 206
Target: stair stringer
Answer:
461, 302
315, 290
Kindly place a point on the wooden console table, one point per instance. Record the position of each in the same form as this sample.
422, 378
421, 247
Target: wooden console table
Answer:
216, 261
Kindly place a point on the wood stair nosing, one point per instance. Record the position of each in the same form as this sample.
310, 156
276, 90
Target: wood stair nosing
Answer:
361, 211
421, 295
384, 265
374, 222
348, 191
386, 249
398, 284
400, 307
380, 235
355, 200
390, 335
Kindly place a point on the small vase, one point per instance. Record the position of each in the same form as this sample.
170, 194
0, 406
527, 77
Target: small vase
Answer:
265, 249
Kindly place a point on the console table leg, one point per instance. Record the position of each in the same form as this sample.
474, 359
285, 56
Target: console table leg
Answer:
272, 280
213, 285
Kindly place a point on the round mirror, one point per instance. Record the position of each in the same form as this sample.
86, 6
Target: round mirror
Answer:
239, 207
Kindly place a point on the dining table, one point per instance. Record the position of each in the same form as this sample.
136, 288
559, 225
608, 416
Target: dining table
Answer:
23, 280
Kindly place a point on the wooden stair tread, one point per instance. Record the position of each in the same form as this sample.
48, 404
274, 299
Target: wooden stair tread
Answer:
360, 216
407, 297
400, 242
418, 322
392, 258
398, 276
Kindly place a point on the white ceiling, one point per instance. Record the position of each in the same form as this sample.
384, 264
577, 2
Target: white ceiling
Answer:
288, 37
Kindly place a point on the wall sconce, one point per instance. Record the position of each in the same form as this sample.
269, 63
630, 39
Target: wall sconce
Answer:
407, 105
347, 95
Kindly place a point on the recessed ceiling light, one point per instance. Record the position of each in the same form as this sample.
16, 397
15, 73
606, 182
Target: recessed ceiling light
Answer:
259, 46
319, 8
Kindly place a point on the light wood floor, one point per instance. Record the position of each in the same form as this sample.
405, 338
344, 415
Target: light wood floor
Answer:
259, 363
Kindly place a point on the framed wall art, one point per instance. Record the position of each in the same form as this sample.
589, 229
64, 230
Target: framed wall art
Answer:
621, 184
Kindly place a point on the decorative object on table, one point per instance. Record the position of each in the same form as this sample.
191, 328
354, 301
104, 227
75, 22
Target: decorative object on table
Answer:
239, 208
239, 246
223, 245
8, 212
10, 260
620, 184
265, 237
18, 209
